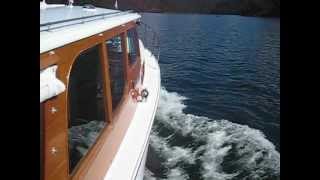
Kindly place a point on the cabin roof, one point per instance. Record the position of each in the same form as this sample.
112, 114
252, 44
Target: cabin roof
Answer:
61, 25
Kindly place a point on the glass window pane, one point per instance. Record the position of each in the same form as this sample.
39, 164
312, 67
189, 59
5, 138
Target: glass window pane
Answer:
116, 69
132, 46
86, 103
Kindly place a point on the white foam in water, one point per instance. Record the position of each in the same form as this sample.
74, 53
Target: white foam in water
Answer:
254, 155
173, 155
148, 175
174, 174
177, 174
213, 156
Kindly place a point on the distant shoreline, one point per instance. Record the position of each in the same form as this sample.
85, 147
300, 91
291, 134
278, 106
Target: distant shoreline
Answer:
247, 8
205, 13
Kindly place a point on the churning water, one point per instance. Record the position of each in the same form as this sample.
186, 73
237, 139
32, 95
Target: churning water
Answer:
219, 111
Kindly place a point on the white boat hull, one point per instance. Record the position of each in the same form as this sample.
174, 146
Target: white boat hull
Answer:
129, 162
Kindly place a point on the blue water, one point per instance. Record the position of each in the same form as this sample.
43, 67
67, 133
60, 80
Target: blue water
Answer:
219, 112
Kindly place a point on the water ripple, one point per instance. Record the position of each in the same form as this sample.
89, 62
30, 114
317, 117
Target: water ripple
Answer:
229, 68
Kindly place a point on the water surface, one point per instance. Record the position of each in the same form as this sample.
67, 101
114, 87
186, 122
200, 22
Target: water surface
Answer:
219, 111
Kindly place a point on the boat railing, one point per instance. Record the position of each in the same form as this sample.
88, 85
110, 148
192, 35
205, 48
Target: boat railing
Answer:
150, 38
79, 20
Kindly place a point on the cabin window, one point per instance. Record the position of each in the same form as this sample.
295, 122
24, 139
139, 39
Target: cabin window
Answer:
116, 69
132, 44
87, 115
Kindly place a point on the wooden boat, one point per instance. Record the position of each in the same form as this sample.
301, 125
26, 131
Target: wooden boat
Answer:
99, 91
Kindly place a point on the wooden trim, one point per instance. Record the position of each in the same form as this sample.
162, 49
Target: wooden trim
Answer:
55, 138
48, 59
111, 142
106, 79
42, 111
85, 162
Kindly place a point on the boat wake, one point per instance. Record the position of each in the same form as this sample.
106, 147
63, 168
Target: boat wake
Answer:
195, 147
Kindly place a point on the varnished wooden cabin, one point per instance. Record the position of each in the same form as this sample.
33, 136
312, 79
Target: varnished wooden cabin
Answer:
99, 90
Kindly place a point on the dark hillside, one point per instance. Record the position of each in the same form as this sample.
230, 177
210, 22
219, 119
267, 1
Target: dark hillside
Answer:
239, 7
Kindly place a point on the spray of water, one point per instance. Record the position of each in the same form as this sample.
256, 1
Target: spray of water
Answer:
222, 149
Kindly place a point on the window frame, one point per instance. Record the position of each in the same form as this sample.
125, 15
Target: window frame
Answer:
133, 69
86, 160
106, 97
125, 70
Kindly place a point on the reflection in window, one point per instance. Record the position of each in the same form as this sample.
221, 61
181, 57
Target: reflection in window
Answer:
132, 46
86, 103
116, 69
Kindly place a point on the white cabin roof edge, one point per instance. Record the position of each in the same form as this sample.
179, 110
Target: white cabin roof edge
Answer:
56, 38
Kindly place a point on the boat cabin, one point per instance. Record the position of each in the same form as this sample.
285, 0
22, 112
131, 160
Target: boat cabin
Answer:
91, 77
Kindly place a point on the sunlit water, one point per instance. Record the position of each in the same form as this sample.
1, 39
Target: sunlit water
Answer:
219, 111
